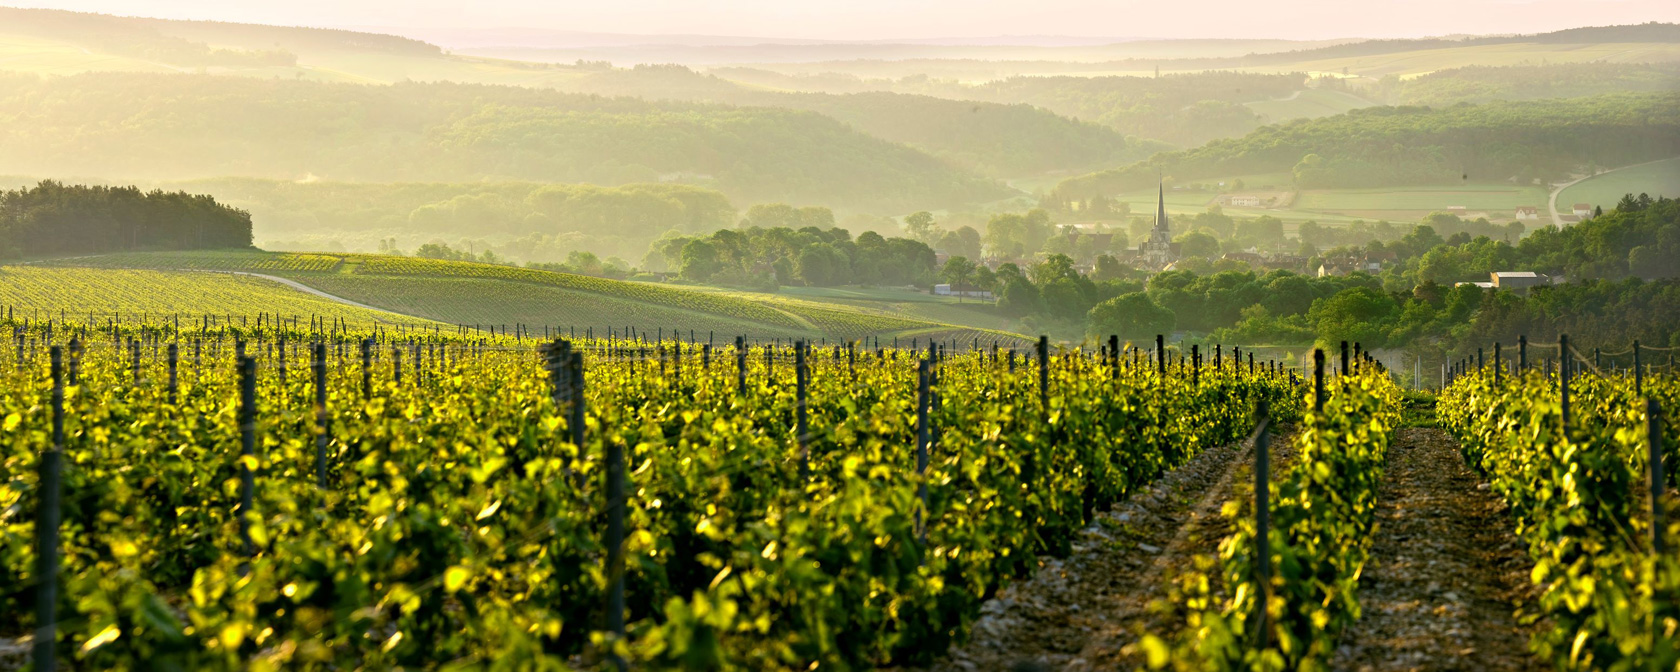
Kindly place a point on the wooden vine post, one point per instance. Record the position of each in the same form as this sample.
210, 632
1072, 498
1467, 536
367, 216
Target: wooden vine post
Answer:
1654, 471
1044, 372
47, 520
247, 447
923, 434
174, 380
802, 400
1263, 517
1318, 380
1563, 377
367, 368
740, 365
321, 420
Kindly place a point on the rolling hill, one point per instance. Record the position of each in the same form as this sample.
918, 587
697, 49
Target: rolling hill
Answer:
1391, 146
994, 140
999, 138
484, 294
174, 126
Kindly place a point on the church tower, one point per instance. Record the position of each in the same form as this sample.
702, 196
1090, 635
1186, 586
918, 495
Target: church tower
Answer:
1159, 251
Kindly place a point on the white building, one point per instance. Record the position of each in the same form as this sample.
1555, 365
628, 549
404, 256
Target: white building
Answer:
945, 290
1528, 212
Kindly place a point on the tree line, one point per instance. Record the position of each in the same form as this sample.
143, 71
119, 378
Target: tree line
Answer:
778, 244
53, 219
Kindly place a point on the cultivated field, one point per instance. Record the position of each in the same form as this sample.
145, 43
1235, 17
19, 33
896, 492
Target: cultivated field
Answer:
486, 294
108, 293
1498, 201
1657, 179
1308, 103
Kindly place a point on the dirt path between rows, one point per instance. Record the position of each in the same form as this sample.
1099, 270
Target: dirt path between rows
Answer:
1087, 612
1446, 573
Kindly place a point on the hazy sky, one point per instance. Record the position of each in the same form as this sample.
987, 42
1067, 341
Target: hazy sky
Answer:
899, 19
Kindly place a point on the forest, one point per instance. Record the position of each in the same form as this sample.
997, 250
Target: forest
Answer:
53, 219
777, 244
1389, 146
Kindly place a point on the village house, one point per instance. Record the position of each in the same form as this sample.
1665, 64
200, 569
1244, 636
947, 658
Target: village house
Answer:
1337, 267
1583, 210
1528, 212
1370, 262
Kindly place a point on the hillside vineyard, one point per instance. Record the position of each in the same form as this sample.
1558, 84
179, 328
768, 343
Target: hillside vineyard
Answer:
256, 497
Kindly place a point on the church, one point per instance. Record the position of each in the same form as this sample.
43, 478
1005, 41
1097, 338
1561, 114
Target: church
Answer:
1159, 251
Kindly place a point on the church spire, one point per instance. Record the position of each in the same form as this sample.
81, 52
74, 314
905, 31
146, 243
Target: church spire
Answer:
1161, 207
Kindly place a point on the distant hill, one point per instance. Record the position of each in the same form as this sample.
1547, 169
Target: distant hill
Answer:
993, 140
998, 139
188, 43
1386, 146
1480, 84
1638, 33
146, 126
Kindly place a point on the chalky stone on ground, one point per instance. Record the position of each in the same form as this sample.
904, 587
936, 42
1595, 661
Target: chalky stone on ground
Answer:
1446, 571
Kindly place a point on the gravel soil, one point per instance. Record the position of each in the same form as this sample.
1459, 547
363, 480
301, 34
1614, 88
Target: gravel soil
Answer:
1446, 574
1088, 611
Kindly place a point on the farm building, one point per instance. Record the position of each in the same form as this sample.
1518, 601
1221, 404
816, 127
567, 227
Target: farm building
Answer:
963, 291
1583, 210
1245, 201
1528, 212
1519, 281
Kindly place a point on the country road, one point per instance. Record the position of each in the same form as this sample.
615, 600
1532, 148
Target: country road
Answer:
308, 290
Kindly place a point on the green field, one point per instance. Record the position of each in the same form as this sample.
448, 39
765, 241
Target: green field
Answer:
481, 301
21, 53
485, 294
134, 293
1661, 178
1497, 200
909, 304
1310, 103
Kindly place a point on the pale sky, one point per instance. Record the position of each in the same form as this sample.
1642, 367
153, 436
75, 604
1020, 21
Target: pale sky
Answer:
906, 19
